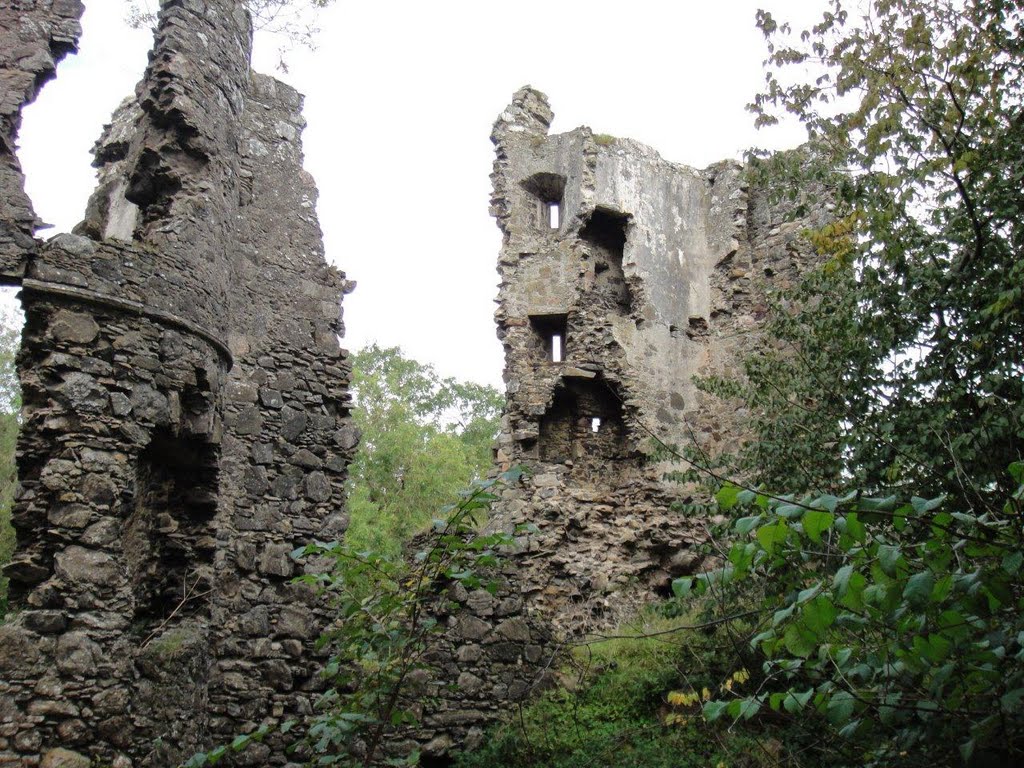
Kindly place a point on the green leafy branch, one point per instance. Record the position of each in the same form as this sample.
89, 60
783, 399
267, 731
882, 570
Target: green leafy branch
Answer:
385, 628
904, 616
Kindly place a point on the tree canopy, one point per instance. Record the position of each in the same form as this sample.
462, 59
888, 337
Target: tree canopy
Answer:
424, 437
879, 536
906, 359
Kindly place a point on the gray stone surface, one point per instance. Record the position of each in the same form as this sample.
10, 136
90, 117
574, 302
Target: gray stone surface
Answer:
184, 391
34, 36
649, 273
653, 274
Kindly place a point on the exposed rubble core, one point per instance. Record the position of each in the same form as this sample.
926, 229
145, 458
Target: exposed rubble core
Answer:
185, 418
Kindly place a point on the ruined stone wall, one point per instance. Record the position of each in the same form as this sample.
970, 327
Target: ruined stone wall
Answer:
185, 422
34, 36
650, 274
623, 277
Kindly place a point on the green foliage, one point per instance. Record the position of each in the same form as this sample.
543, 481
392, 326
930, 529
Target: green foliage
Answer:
891, 614
618, 714
423, 438
797, 396
386, 622
10, 408
900, 364
900, 623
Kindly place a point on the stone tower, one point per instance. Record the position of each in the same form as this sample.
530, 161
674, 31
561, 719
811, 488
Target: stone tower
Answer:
623, 277
185, 419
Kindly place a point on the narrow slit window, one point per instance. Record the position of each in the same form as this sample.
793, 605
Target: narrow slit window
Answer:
556, 348
595, 424
554, 215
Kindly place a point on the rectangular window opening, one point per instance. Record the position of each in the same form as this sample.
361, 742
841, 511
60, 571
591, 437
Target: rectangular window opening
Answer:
554, 215
550, 337
595, 424
556, 348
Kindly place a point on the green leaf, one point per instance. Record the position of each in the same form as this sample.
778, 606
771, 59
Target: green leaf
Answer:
1016, 470
799, 640
826, 502
795, 702
888, 557
815, 523
926, 505
789, 511
681, 587
713, 710
770, 536
727, 496
1010, 701
841, 581
854, 527
840, 707
819, 614
762, 638
854, 596
1013, 561
967, 750
919, 588
782, 614
746, 524
849, 730
749, 707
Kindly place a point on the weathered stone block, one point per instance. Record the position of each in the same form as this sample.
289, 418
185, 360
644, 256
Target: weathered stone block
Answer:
78, 654
472, 628
78, 564
77, 327
64, 758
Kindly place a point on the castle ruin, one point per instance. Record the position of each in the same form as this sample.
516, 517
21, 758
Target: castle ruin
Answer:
623, 277
185, 418
185, 421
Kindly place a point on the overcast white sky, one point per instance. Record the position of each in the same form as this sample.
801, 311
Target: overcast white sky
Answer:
400, 98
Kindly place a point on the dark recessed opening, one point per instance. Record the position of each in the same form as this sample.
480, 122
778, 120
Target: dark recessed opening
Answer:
168, 539
605, 234
583, 424
550, 334
548, 191
436, 761
606, 229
